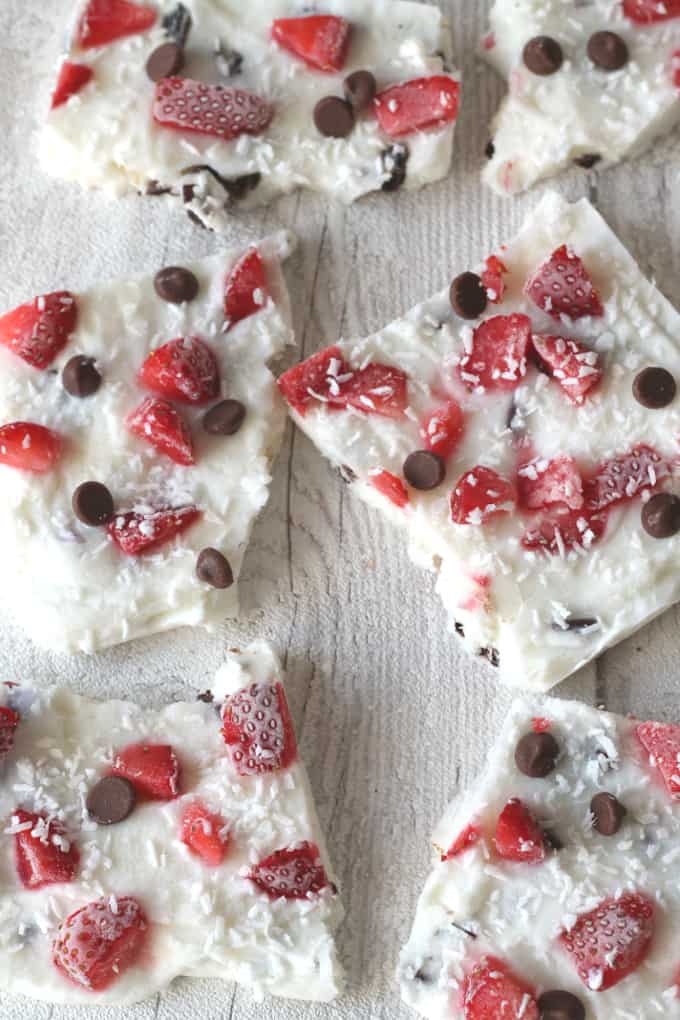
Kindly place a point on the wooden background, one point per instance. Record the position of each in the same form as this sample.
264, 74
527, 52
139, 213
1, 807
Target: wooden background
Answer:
392, 718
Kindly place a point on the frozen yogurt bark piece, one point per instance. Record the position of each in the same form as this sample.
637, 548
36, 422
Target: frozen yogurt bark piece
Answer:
138, 425
523, 430
589, 84
223, 104
141, 845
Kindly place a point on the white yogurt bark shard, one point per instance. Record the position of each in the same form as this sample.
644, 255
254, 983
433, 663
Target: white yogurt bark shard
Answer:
589, 84
185, 841
222, 103
138, 424
554, 892
518, 440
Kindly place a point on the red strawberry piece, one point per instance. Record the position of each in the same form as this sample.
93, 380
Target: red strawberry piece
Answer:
137, 533
519, 837
492, 278
443, 429
466, 839
417, 105
40, 329
559, 533
99, 942
294, 873
540, 725
258, 730
675, 68
220, 111
562, 286
161, 425
611, 941
389, 485
184, 370
573, 365
481, 495
204, 832
310, 381
327, 378
497, 359
43, 854
105, 21
491, 991
72, 78
153, 770
246, 289
624, 478
645, 12
9, 720
662, 742
29, 447
321, 40
543, 483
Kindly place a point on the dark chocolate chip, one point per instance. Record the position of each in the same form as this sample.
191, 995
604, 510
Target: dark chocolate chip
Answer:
490, 150
468, 296
654, 387
176, 285
239, 187
80, 377
608, 813
360, 89
424, 470
165, 61
459, 629
229, 62
188, 192
93, 504
394, 161
177, 24
154, 189
543, 55
111, 800
608, 51
346, 474
536, 754
206, 697
213, 568
492, 655
588, 160
661, 515
334, 117
559, 1005
225, 418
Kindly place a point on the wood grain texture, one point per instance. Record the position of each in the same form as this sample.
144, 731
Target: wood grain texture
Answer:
393, 719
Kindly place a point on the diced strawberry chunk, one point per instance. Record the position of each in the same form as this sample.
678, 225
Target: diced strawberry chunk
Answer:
543, 483
443, 429
99, 942
574, 366
9, 720
29, 447
43, 854
466, 839
498, 358
153, 770
294, 873
675, 69
492, 278
519, 837
39, 330
326, 378
205, 833
561, 532
493, 992
390, 486
137, 533
625, 478
417, 105
562, 286
662, 742
321, 40
184, 370
195, 107
481, 495
162, 426
611, 941
541, 725
646, 12
258, 730
105, 21
72, 78
246, 289
311, 380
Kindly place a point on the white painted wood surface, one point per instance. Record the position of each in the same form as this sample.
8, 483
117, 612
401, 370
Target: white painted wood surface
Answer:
392, 718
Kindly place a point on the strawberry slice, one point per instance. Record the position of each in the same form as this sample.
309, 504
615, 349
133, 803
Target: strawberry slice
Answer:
311, 380
562, 286
662, 742
492, 278
466, 839
321, 40
220, 111
480, 495
153, 770
99, 942
205, 833
625, 478
492, 991
29, 447
184, 370
246, 288
258, 730
390, 486
559, 533
519, 837
9, 720
497, 359
646, 12
573, 365
43, 854
543, 483
611, 941
137, 533
328, 379
39, 330
162, 426
294, 873
105, 21
72, 78
417, 105
443, 429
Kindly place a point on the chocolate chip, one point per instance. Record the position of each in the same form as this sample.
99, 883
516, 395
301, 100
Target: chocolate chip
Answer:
424, 470
206, 697
468, 296
225, 418
154, 189
188, 192
394, 161
360, 89
165, 61
334, 118
346, 474
92, 504
588, 160
229, 62
111, 800
536, 754
459, 628
492, 656
543, 55
661, 515
239, 187
213, 568
608, 51
654, 388
490, 150
177, 24
176, 285
558, 1005
80, 378
608, 813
